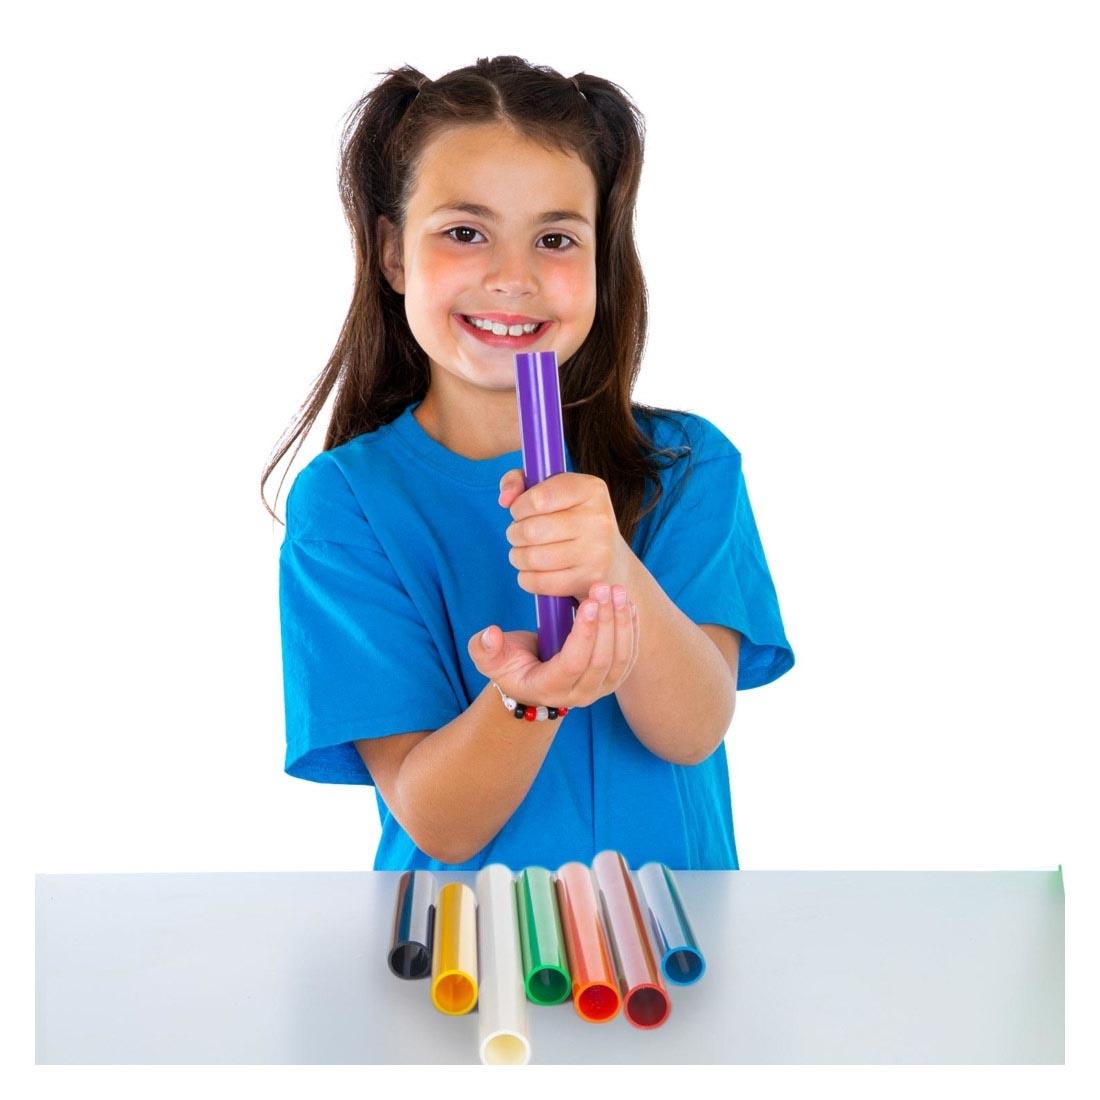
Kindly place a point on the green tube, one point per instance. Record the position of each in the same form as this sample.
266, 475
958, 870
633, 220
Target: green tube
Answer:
542, 946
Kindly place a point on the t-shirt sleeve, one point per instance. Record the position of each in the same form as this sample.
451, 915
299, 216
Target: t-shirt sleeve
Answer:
358, 658
706, 554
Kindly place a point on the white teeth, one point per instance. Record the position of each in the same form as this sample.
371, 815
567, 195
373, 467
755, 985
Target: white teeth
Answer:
497, 329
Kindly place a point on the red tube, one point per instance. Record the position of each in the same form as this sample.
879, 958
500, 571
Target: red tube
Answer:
595, 987
645, 1001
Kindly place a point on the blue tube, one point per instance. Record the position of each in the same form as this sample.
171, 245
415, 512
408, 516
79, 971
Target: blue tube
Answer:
681, 960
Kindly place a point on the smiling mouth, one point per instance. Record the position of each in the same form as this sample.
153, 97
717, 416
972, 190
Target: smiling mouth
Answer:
488, 331
503, 341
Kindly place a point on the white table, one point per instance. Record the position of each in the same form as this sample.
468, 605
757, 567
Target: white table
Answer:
802, 967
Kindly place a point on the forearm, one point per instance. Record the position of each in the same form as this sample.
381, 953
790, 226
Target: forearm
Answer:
679, 698
459, 785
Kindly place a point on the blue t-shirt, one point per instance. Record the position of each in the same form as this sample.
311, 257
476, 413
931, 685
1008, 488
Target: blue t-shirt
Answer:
395, 555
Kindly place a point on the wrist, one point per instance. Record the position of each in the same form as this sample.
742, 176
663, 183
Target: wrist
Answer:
529, 712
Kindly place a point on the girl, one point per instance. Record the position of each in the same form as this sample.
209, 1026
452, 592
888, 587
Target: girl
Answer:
493, 210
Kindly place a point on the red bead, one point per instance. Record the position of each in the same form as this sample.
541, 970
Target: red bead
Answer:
562, 711
531, 714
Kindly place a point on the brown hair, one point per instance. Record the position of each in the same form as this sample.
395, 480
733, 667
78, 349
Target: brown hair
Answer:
377, 367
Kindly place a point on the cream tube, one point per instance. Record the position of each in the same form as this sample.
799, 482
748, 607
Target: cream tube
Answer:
502, 1001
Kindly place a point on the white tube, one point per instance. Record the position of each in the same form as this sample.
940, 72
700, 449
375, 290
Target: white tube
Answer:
502, 1001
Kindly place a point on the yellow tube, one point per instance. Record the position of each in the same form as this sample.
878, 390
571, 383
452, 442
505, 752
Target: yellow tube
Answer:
454, 954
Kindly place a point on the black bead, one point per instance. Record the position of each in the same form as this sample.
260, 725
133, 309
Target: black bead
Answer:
551, 712
520, 711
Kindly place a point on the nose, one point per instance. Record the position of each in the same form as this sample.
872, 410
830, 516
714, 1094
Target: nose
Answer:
510, 271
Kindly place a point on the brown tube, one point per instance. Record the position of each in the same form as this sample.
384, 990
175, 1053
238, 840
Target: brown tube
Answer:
645, 1001
595, 986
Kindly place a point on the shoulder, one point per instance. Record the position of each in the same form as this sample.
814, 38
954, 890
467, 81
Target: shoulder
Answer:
685, 434
322, 504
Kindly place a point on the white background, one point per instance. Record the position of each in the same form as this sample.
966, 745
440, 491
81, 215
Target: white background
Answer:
870, 237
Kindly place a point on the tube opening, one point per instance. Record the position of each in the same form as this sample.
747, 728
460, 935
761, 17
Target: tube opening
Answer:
505, 1049
548, 986
684, 965
410, 960
455, 993
598, 1002
646, 1006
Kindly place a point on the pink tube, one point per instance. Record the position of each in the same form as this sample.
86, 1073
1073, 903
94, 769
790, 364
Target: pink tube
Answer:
645, 1002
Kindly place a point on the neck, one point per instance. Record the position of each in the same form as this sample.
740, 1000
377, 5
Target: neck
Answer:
474, 422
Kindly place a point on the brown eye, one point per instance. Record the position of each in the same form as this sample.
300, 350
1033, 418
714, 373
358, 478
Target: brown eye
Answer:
460, 229
559, 237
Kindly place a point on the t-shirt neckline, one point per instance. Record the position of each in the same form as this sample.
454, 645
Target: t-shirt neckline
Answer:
469, 471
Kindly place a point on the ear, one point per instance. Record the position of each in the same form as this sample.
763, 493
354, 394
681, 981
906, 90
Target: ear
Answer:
390, 254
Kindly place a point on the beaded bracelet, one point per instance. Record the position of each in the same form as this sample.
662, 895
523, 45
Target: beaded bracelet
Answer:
527, 711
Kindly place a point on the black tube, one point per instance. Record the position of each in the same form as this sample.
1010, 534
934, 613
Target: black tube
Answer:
410, 954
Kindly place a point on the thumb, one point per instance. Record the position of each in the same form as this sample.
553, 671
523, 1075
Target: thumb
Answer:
511, 486
481, 654
486, 649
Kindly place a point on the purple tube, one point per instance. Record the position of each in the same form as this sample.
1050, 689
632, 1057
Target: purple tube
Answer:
542, 438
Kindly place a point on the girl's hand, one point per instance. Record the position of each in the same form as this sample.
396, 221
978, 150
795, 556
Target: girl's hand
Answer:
565, 537
598, 656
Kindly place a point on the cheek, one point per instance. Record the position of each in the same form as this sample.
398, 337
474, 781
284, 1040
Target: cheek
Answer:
434, 263
438, 273
576, 285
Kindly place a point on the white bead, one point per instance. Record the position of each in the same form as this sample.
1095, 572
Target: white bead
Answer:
541, 714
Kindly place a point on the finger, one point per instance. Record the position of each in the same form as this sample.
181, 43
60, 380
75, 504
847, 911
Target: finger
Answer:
575, 655
637, 633
544, 557
483, 648
603, 649
511, 485
624, 635
634, 636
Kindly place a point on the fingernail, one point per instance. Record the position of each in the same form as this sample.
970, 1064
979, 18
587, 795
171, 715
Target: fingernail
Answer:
602, 593
619, 596
485, 639
590, 610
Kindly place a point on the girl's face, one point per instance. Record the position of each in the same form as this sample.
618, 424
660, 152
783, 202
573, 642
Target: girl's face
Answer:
527, 251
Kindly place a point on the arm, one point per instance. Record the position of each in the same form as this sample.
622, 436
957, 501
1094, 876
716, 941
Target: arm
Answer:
453, 790
680, 697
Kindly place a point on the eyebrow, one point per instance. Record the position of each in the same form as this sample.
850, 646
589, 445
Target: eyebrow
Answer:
480, 211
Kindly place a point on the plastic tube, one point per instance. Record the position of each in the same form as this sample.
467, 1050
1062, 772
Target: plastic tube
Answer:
410, 954
542, 948
645, 1001
501, 1007
681, 959
542, 440
595, 986
454, 953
